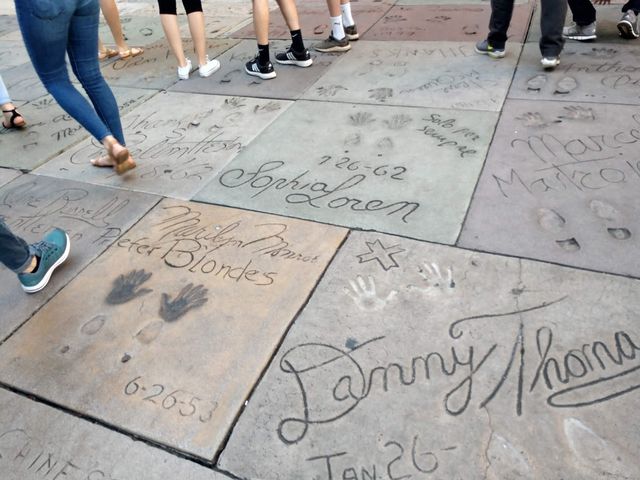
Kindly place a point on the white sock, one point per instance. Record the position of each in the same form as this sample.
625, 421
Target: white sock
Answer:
337, 30
347, 19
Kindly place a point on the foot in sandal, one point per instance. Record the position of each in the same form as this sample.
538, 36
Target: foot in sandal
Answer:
118, 157
130, 52
12, 118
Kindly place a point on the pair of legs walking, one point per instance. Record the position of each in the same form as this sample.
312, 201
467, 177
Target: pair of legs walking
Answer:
53, 28
112, 16
584, 20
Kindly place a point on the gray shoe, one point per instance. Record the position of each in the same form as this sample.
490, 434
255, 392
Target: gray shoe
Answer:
581, 33
628, 25
331, 44
351, 33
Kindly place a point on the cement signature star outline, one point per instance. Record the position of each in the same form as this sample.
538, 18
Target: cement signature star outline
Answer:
383, 255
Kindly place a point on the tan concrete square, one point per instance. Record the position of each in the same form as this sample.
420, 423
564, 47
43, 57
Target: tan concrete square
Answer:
177, 152
423, 74
37, 441
94, 217
167, 332
420, 361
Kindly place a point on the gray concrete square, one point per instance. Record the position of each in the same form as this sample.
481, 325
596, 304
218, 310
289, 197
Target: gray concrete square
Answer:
50, 130
588, 73
180, 142
12, 54
38, 441
428, 361
156, 67
185, 312
94, 217
456, 23
7, 174
560, 184
232, 79
8, 24
425, 74
22, 83
407, 171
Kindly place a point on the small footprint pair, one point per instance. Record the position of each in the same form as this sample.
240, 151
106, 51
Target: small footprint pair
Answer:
552, 221
563, 86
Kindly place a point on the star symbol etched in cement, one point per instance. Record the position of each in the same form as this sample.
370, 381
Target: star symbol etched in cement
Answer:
384, 255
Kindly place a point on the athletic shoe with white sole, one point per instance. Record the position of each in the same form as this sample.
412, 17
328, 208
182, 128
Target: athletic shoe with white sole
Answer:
51, 252
290, 57
582, 33
264, 72
483, 47
352, 33
332, 44
209, 67
183, 72
628, 25
549, 63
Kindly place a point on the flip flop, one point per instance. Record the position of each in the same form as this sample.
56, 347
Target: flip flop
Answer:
107, 53
130, 53
12, 121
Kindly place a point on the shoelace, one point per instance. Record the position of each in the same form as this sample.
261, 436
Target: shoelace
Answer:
44, 248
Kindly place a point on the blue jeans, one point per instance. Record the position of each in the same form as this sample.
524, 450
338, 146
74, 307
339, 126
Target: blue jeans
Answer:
15, 254
4, 95
50, 29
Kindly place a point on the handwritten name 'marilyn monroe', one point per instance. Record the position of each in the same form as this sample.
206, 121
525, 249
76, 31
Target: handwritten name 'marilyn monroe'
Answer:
332, 382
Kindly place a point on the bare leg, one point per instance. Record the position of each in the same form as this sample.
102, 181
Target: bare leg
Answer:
196, 27
112, 16
289, 12
334, 8
261, 21
172, 32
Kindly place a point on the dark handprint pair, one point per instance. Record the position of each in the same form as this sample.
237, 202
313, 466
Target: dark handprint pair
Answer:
128, 286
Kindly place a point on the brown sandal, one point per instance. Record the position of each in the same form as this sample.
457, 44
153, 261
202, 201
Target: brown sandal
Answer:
122, 161
12, 121
107, 53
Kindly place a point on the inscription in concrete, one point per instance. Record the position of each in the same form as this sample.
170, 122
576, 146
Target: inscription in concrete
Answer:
560, 184
94, 217
426, 74
186, 311
38, 442
588, 73
177, 155
422, 361
138, 31
460, 23
232, 79
156, 67
400, 170
314, 20
50, 130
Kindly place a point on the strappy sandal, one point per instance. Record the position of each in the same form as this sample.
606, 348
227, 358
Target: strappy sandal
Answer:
107, 53
122, 162
12, 121
131, 52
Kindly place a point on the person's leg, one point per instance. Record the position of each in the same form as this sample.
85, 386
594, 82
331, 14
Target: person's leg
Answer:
297, 54
261, 65
633, 5
112, 16
338, 40
349, 24
583, 12
628, 24
195, 16
14, 251
12, 119
551, 23
169, 20
501, 13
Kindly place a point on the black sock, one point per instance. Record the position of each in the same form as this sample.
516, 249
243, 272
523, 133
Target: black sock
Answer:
263, 54
297, 43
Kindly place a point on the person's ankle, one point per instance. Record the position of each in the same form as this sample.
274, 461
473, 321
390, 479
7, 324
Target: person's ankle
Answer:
33, 266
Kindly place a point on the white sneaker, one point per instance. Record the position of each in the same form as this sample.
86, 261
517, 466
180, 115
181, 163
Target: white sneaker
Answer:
183, 72
549, 63
209, 67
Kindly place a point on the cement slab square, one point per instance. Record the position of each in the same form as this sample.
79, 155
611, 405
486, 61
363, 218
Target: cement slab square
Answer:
94, 217
37, 441
8, 24
185, 312
456, 23
314, 20
156, 67
12, 54
588, 73
408, 171
51, 130
138, 31
7, 174
178, 154
232, 79
23, 83
560, 184
428, 361
423, 74
222, 23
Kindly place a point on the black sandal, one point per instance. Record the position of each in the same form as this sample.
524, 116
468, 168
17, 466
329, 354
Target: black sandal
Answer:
12, 121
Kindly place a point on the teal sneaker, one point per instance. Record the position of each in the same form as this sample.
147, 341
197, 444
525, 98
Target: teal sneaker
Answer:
483, 47
51, 252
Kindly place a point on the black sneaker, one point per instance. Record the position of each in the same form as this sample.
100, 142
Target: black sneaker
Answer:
331, 44
254, 68
290, 57
351, 33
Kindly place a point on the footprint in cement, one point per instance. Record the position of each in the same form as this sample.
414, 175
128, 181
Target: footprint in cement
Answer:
553, 222
506, 461
565, 86
94, 325
594, 453
608, 212
535, 84
149, 332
